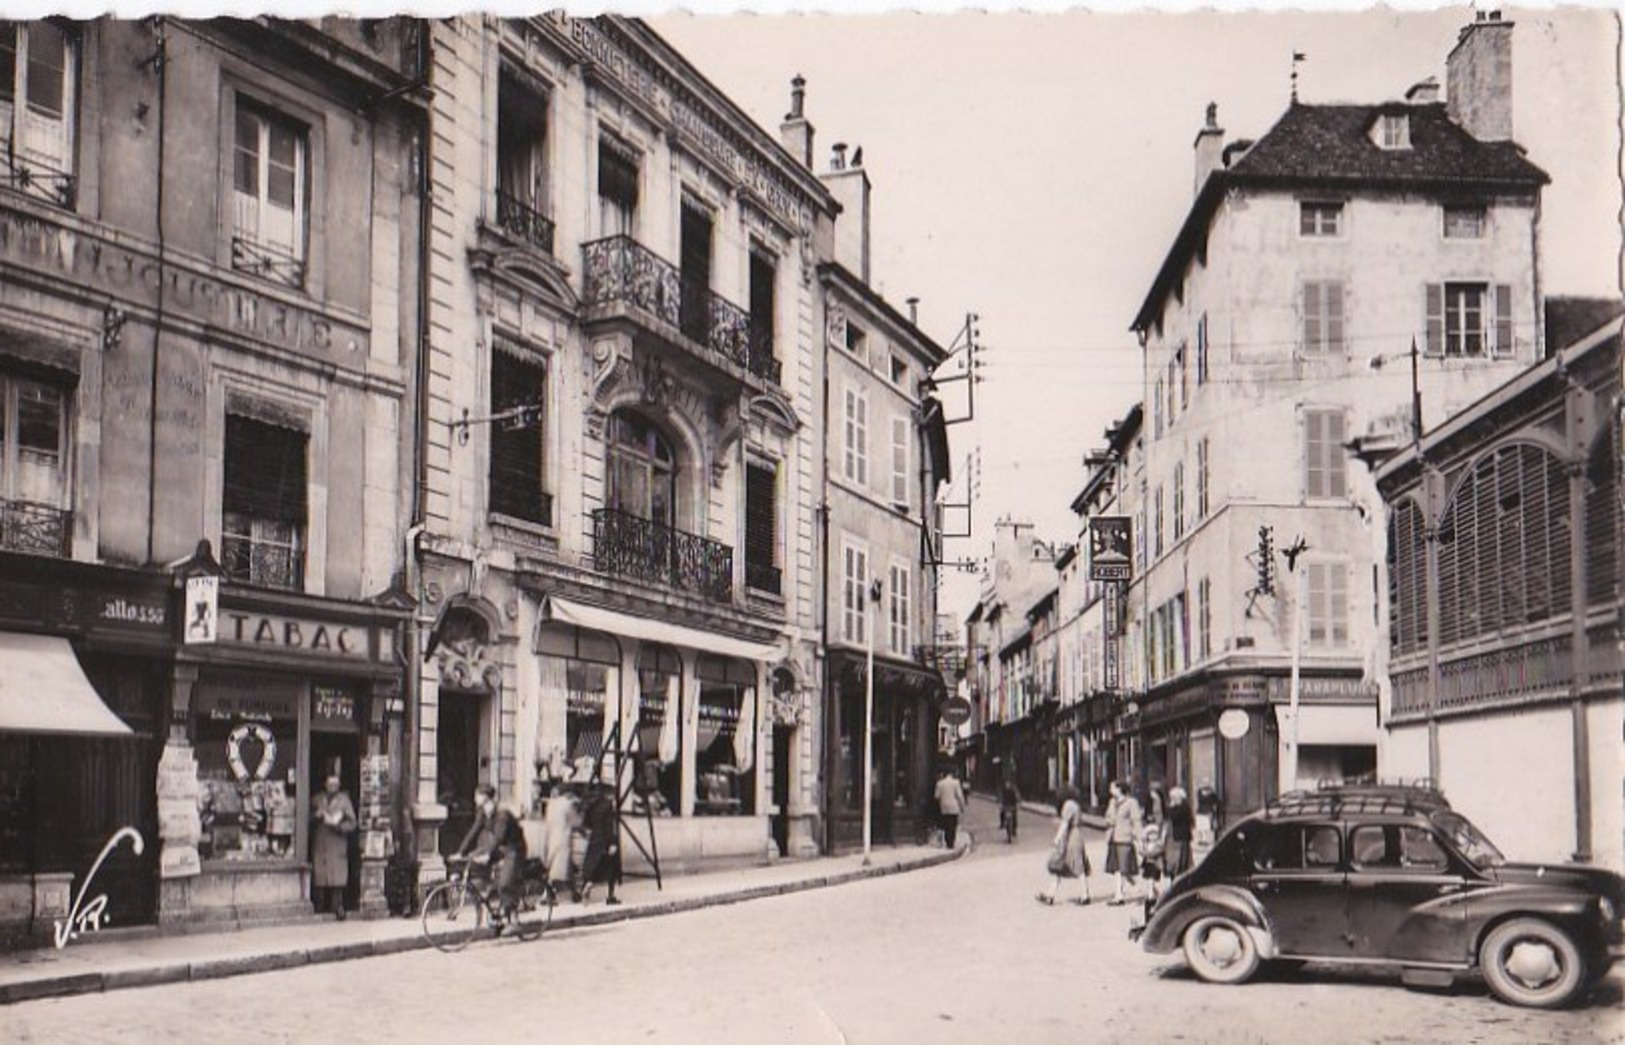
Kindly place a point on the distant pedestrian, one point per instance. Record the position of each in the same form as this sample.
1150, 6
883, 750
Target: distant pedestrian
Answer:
950, 798
1125, 821
1208, 819
1176, 851
1068, 857
335, 822
1009, 807
560, 818
603, 859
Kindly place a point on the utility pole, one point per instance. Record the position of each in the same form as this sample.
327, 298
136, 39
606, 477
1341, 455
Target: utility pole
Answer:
869, 721
1292, 553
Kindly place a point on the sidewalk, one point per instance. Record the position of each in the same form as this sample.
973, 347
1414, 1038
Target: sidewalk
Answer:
90, 964
1038, 808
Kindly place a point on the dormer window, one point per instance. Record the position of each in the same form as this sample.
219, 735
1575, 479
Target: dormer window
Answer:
1393, 131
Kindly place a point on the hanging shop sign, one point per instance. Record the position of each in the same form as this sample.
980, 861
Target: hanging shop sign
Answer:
1111, 558
956, 711
202, 609
1233, 724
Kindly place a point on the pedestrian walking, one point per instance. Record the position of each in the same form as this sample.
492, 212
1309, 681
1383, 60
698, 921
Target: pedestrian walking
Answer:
603, 859
1207, 819
335, 822
1176, 851
1009, 806
1125, 821
1068, 858
561, 817
950, 798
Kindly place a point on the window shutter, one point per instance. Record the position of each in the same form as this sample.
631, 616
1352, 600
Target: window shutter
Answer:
761, 514
1434, 307
264, 471
1503, 321
1336, 460
899, 460
1311, 318
1334, 317
1313, 439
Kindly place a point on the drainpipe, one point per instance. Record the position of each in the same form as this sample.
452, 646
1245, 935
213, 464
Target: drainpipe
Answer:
1579, 410
160, 58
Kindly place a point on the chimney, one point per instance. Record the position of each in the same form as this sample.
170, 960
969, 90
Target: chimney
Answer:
1478, 78
913, 310
1208, 142
1423, 93
796, 133
849, 185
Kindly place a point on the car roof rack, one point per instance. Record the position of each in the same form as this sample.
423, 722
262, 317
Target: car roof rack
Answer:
1366, 799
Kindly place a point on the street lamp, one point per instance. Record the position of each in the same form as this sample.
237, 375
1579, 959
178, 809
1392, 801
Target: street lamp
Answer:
868, 721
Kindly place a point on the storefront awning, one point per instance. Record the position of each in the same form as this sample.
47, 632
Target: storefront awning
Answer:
44, 690
1330, 725
573, 613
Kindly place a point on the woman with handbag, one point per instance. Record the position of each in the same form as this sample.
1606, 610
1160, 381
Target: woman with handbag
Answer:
1125, 822
1068, 858
335, 822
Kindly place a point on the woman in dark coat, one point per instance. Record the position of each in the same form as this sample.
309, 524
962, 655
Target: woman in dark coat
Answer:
330, 849
603, 859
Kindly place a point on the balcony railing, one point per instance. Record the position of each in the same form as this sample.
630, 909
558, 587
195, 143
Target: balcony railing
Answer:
630, 546
36, 177
277, 565
620, 271
270, 262
766, 578
35, 528
522, 220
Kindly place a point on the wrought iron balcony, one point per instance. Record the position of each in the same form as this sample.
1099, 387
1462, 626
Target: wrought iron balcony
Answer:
37, 178
269, 262
630, 546
280, 566
522, 220
35, 528
620, 272
766, 578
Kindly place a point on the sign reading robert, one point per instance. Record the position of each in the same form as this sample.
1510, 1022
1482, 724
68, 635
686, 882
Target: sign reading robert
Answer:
1110, 549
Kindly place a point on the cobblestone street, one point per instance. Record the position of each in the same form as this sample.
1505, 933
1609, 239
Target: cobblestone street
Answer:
960, 953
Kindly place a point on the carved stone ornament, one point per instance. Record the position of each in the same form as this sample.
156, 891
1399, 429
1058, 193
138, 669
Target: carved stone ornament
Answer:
835, 329
464, 656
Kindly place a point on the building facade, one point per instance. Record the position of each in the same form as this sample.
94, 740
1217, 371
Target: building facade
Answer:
1310, 262
1503, 543
208, 334
623, 404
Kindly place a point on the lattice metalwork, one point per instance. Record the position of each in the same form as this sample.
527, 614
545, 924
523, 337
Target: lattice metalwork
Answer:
626, 545
522, 220
35, 528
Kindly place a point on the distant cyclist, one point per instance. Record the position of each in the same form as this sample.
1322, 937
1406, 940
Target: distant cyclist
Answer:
1009, 805
500, 843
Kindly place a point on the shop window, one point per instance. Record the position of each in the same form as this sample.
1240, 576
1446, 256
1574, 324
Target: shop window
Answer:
899, 595
854, 592
34, 501
1328, 603
725, 745
39, 78
247, 750
856, 445
1469, 320
900, 461
1325, 458
262, 536
586, 697
617, 188
1323, 325
522, 162
518, 437
762, 527
660, 729
270, 196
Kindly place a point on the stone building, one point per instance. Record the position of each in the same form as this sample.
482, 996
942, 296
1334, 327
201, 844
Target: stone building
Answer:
1503, 554
1277, 332
208, 334
624, 397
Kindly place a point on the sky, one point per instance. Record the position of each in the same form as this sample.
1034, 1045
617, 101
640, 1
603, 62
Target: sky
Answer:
1034, 168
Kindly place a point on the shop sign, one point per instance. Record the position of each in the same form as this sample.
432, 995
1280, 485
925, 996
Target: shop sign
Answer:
1244, 689
1109, 658
1110, 549
295, 635
246, 697
69, 606
1233, 724
1322, 688
956, 711
202, 609
332, 708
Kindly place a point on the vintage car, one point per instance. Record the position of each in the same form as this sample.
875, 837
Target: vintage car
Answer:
1388, 875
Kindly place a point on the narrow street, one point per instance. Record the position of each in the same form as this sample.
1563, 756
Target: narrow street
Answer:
959, 953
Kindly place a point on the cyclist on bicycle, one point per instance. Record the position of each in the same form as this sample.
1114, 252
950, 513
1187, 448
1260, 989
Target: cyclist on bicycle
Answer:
500, 842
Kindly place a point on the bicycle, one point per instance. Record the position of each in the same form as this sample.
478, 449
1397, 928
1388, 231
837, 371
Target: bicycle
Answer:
457, 910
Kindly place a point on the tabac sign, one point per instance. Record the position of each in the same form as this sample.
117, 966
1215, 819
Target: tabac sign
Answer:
295, 636
1110, 549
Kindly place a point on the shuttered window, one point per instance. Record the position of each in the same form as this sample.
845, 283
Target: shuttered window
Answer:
1201, 350
899, 460
1325, 459
1201, 479
1469, 320
517, 473
262, 536
762, 526
1504, 545
1323, 317
1204, 618
899, 596
857, 435
854, 596
1328, 603
1156, 535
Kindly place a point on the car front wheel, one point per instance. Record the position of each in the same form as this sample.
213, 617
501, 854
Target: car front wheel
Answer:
1220, 950
1532, 963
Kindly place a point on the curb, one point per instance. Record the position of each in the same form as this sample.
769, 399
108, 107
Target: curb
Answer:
111, 979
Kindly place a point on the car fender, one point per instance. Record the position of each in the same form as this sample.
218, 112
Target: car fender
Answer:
1566, 908
1173, 916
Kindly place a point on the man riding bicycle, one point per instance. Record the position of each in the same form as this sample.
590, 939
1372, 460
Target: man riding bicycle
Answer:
500, 842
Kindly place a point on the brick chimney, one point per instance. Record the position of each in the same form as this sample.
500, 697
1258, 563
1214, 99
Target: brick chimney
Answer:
1423, 92
1478, 78
796, 133
1209, 142
848, 183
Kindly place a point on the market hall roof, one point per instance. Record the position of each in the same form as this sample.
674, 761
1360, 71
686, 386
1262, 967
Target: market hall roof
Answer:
1330, 147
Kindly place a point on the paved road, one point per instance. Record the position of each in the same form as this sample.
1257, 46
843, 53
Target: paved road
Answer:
960, 953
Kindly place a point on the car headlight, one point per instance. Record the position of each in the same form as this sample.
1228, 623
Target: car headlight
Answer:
1606, 906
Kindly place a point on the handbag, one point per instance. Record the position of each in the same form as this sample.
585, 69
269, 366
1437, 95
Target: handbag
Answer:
1057, 859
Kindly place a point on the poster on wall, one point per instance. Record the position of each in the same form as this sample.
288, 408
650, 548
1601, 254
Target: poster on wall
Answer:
377, 836
179, 823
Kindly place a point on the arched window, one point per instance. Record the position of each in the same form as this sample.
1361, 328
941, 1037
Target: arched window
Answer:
642, 469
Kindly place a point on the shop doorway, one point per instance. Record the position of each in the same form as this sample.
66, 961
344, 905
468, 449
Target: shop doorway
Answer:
340, 752
457, 743
781, 787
